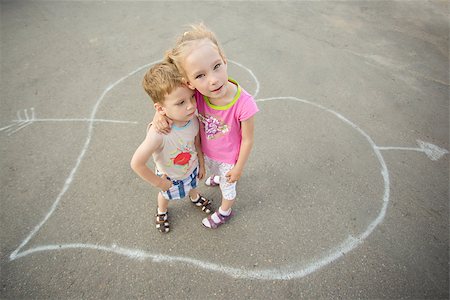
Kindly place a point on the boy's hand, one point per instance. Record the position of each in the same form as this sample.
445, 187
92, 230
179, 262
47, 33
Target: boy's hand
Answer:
162, 124
233, 175
201, 172
164, 184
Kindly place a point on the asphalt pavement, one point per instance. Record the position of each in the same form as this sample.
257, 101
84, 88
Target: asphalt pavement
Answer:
345, 195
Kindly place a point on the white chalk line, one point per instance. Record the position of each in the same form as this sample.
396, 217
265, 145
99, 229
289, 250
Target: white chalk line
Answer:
401, 148
21, 123
255, 93
83, 120
6, 127
433, 152
242, 273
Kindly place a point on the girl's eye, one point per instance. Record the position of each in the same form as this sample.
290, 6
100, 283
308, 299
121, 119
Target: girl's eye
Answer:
199, 76
217, 66
180, 103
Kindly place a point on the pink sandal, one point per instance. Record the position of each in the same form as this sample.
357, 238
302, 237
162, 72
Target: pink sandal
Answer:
222, 219
212, 180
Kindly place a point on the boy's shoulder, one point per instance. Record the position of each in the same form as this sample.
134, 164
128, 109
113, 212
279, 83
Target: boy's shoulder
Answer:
153, 134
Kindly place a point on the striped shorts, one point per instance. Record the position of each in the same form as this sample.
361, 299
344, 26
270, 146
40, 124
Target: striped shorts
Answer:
180, 188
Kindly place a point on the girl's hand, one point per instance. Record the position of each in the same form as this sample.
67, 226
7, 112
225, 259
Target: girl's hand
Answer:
233, 175
164, 184
201, 172
161, 123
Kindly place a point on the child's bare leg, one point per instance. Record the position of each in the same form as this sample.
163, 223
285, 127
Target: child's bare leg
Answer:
162, 204
226, 204
162, 219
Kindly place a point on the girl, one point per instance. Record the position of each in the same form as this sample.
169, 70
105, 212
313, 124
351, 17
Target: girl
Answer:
225, 111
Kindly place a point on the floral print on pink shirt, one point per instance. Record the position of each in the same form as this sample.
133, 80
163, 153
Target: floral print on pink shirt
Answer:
213, 126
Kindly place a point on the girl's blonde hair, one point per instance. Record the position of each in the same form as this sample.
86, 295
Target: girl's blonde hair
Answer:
186, 42
161, 80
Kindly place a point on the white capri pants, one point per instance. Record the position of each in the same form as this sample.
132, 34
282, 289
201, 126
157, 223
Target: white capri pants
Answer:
221, 169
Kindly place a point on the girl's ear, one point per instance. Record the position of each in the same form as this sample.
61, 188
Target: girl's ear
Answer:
159, 108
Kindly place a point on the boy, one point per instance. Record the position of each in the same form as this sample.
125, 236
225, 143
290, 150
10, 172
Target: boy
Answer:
177, 156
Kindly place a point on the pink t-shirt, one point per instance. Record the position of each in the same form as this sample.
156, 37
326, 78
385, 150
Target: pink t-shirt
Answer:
220, 126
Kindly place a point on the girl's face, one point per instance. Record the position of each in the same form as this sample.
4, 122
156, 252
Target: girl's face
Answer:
206, 70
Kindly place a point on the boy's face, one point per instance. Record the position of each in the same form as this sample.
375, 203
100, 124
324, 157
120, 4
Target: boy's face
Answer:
206, 70
179, 105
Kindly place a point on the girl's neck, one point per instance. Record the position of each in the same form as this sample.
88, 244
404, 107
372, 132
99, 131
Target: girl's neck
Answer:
227, 98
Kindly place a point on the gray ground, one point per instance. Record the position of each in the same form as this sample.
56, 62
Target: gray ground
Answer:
337, 201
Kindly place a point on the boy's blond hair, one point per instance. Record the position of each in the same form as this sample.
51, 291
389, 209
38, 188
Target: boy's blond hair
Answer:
160, 80
187, 41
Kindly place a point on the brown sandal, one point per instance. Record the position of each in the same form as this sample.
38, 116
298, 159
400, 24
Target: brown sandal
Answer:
203, 203
162, 222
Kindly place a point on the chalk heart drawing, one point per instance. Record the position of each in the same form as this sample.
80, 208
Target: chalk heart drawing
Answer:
279, 273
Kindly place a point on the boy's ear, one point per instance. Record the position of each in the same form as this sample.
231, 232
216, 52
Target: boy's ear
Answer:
159, 108
187, 83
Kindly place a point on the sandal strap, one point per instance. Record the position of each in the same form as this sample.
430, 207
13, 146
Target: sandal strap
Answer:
162, 222
160, 218
222, 219
204, 203
165, 225
201, 200
211, 222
